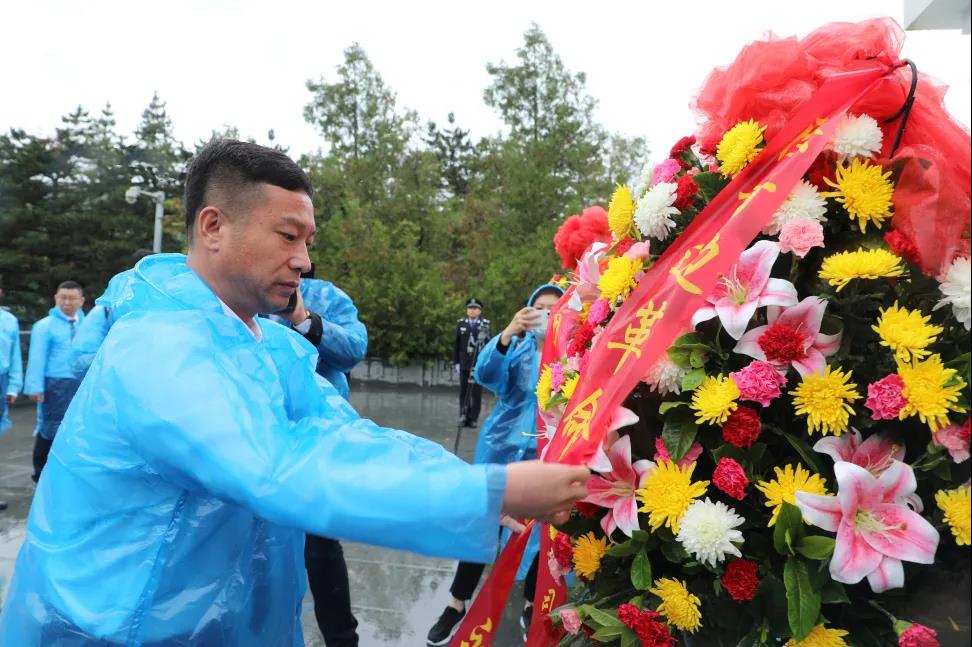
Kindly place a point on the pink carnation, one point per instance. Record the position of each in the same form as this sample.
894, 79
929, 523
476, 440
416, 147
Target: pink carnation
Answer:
598, 312
556, 376
759, 382
666, 171
638, 251
954, 438
884, 397
661, 453
918, 636
573, 363
798, 236
571, 621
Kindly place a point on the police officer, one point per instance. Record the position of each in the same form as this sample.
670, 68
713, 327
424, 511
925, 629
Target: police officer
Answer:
471, 333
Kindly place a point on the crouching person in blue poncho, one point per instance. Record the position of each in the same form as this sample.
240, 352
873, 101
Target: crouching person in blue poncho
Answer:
202, 445
509, 366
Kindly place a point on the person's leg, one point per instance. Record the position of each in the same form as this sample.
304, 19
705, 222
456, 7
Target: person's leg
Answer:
465, 581
463, 586
327, 575
463, 395
529, 593
42, 447
475, 402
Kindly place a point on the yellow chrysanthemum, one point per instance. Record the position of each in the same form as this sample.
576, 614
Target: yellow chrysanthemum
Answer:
680, 608
820, 636
667, 493
842, 268
825, 400
588, 551
567, 390
788, 482
739, 146
618, 280
621, 212
906, 332
865, 190
931, 391
544, 387
715, 399
957, 506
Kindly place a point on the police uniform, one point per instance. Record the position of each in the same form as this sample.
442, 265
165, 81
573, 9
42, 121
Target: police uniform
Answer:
471, 334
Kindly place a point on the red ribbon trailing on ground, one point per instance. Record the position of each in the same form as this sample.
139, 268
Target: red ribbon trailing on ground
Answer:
659, 310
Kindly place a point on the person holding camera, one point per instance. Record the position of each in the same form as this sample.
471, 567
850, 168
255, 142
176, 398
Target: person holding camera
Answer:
509, 366
471, 333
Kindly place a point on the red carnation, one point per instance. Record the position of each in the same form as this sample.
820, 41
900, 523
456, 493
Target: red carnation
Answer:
902, 246
623, 246
783, 344
652, 632
967, 429
918, 636
740, 579
822, 167
681, 146
587, 510
730, 477
563, 550
580, 232
685, 193
742, 428
578, 343
629, 615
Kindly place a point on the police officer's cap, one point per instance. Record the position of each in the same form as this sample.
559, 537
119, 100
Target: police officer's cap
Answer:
474, 303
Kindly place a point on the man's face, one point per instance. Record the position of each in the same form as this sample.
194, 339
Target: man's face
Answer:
69, 301
265, 249
473, 312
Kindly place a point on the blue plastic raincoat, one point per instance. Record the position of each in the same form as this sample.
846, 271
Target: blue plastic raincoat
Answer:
11, 364
93, 330
345, 339
49, 368
188, 468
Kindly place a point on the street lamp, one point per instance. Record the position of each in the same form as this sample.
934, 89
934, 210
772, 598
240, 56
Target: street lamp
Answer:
131, 196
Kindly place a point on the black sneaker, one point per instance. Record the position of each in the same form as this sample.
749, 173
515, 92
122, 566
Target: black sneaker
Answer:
525, 619
441, 632
3, 505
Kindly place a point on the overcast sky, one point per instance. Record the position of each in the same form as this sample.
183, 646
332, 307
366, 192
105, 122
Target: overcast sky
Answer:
218, 62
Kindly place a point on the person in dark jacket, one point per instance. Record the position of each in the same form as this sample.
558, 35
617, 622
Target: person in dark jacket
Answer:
471, 334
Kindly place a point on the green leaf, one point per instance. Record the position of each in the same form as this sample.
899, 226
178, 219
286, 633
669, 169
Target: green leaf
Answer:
602, 617
629, 638
624, 549
697, 358
641, 536
692, 379
834, 593
665, 407
816, 547
679, 432
710, 184
680, 356
788, 528
674, 553
803, 449
802, 602
605, 634
641, 572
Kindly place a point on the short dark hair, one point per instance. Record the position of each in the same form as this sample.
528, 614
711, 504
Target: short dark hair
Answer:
233, 165
139, 254
69, 285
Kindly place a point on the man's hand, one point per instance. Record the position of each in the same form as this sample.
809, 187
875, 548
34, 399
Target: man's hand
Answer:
37, 397
299, 314
522, 321
11, 398
544, 491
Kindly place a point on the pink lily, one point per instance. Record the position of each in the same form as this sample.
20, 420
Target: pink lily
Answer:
792, 338
875, 530
748, 287
662, 456
587, 274
615, 489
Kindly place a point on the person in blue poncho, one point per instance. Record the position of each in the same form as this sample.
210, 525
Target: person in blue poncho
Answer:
50, 379
202, 445
509, 366
11, 368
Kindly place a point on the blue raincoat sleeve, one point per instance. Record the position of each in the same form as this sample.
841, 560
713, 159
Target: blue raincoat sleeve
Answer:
492, 365
37, 358
15, 370
320, 467
345, 339
91, 334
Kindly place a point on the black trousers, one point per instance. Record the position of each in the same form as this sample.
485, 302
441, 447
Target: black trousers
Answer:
327, 575
467, 578
42, 448
470, 396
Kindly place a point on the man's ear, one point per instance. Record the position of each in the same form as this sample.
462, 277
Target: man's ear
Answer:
210, 227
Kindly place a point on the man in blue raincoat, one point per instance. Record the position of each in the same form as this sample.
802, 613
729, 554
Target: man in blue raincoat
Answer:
202, 445
11, 368
50, 380
509, 366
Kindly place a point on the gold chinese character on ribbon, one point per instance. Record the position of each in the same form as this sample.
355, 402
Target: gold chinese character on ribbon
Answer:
801, 142
769, 187
638, 332
578, 423
548, 600
476, 636
694, 259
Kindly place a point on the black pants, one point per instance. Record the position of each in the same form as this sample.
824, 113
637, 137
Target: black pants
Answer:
470, 396
42, 447
327, 574
468, 574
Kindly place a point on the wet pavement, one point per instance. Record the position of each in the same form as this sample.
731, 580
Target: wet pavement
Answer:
396, 596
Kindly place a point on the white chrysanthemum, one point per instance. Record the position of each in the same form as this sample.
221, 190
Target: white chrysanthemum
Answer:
643, 181
708, 532
957, 290
653, 217
665, 376
857, 136
804, 203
